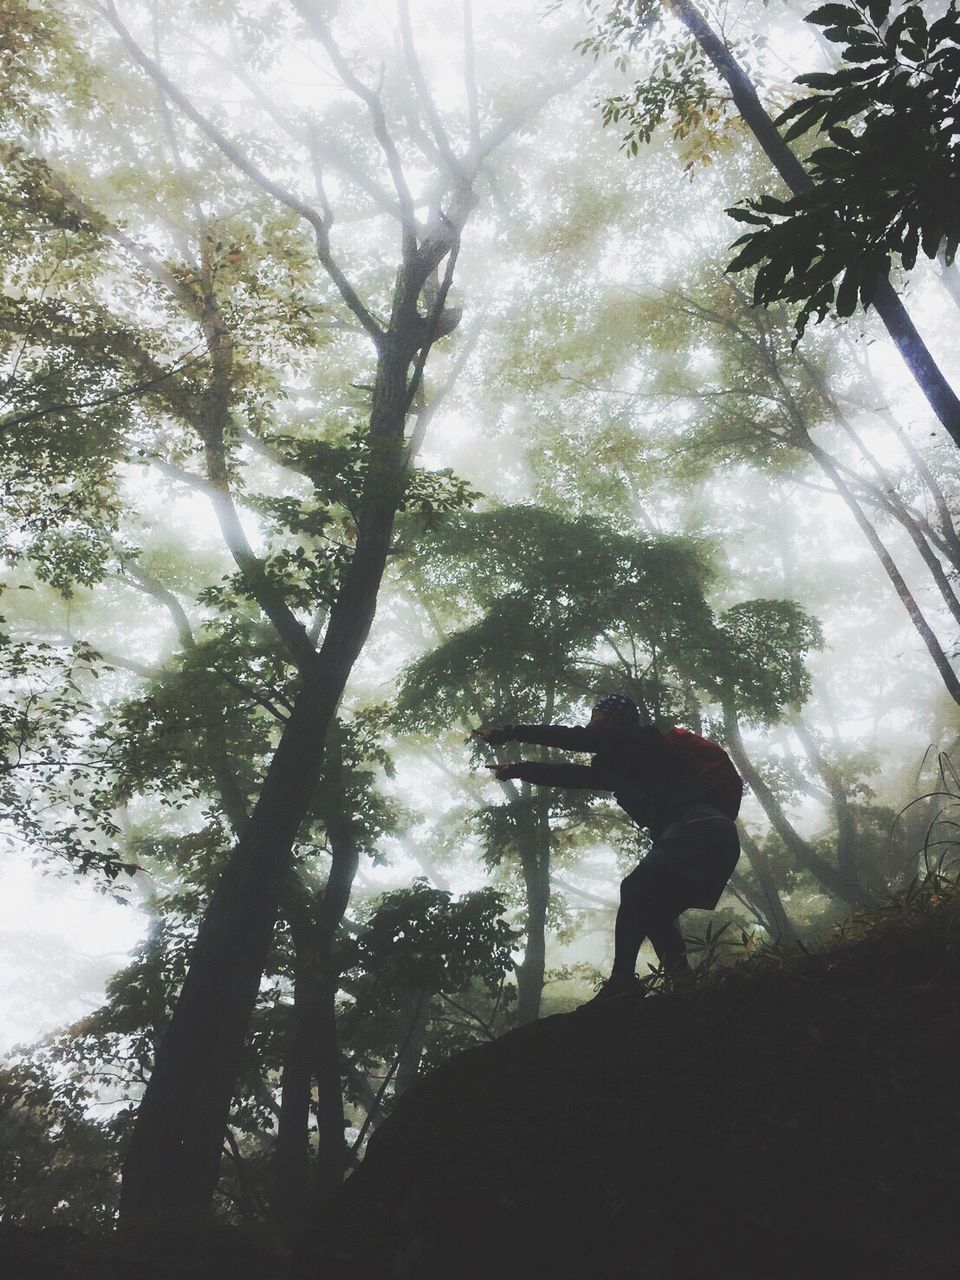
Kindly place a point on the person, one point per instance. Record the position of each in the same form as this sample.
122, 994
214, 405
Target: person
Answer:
692, 822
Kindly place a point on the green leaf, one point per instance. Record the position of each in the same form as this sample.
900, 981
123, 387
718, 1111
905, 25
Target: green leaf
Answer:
808, 110
892, 35
740, 214
908, 250
819, 79
878, 11
835, 15
945, 28
753, 252
862, 53
842, 137
847, 293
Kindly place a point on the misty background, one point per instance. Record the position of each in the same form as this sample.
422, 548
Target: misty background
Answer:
605, 390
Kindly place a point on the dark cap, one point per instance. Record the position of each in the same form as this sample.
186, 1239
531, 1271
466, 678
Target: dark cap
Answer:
619, 704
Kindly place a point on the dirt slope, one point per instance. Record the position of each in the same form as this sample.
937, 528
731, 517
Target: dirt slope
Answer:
795, 1120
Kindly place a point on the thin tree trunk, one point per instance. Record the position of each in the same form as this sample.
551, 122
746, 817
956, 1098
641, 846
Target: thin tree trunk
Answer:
770, 903
945, 539
948, 530
535, 864
414, 1041
843, 813
887, 498
907, 599
805, 857
937, 390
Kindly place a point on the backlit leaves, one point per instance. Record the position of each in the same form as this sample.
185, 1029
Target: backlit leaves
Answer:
888, 184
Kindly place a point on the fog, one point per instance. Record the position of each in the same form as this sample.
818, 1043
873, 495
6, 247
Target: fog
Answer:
607, 371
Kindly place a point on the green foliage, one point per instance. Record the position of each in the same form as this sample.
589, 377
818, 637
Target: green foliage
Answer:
763, 668
678, 85
52, 764
423, 954
421, 938
572, 606
888, 183
57, 1165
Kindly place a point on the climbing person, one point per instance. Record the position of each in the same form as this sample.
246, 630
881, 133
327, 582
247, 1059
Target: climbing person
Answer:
678, 785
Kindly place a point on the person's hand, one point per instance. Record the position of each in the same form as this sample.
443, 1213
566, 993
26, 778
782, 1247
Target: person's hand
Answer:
500, 771
492, 737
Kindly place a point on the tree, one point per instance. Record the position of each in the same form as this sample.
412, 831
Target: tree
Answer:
763, 404
208, 280
633, 25
885, 191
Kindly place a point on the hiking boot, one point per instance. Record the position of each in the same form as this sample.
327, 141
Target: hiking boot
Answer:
616, 985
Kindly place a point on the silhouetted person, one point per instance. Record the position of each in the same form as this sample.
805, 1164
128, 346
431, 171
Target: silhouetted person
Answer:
679, 786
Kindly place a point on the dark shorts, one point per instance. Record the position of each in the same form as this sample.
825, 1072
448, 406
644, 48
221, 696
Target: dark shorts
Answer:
690, 862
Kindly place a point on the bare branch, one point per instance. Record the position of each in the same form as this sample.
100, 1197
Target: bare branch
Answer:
470, 75
207, 127
423, 93
247, 167
155, 588
427, 413
372, 99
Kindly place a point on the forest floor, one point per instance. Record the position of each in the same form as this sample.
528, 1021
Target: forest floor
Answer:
785, 1117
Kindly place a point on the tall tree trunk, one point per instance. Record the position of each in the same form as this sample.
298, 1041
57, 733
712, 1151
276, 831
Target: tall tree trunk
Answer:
843, 813
939, 394
173, 1159
907, 599
805, 857
313, 1049
414, 1041
768, 901
291, 1153
535, 864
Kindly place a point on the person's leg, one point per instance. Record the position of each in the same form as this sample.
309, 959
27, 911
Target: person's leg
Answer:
668, 943
646, 911
630, 929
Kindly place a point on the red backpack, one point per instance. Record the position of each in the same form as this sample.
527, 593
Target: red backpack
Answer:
711, 765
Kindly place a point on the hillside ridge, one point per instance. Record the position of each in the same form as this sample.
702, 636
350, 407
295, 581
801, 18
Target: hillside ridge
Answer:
782, 1118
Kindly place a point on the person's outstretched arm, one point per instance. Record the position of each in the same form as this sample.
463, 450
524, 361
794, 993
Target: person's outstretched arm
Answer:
643, 743
544, 774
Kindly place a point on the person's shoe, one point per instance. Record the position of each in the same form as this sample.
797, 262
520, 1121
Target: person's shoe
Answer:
616, 985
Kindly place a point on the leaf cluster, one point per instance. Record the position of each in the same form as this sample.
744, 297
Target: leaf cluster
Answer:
679, 86
53, 765
887, 185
